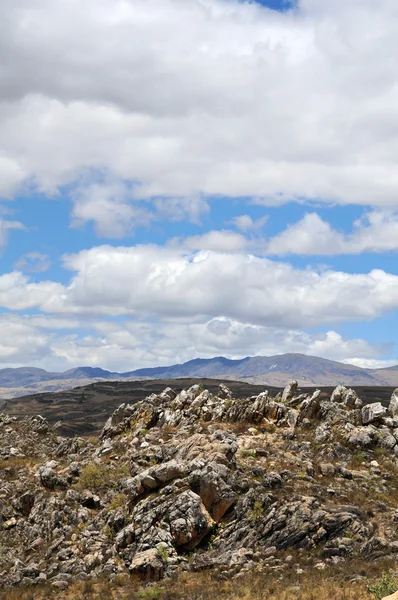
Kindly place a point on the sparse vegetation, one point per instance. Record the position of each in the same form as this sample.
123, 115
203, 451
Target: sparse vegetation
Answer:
385, 586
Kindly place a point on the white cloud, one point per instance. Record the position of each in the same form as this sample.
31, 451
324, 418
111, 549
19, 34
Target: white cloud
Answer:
375, 232
219, 241
246, 223
5, 227
107, 205
33, 262
239, 101
370, 363
171, 283
53, 344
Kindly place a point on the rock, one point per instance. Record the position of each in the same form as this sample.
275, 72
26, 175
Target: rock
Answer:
322, 433
327, 469
224, 392
290, 391
50, 479
216, 495
90, 500
364, 437
147, 565
338, 394
393, 406
10, 524
372, 413
60, 584
391, 597
189, 521
310, 407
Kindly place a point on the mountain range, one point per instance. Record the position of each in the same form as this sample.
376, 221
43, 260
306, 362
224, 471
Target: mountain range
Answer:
268, 370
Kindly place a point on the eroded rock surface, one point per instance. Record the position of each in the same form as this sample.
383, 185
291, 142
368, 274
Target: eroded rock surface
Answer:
229, 483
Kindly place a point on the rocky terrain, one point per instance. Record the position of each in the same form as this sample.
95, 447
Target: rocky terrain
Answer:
203, 495
275, 371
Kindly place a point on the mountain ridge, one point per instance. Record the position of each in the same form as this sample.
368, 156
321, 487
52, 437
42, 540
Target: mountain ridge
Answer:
276, 370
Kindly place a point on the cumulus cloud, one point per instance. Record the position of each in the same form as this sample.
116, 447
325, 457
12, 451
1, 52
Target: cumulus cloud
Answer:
219, 241
171, 283
375, 232
239, 101
53, 343
245, 223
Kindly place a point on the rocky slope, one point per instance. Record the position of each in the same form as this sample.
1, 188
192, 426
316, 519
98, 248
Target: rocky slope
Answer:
195, 481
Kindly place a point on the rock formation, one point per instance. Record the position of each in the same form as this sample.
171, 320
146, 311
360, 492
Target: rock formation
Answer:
195, 481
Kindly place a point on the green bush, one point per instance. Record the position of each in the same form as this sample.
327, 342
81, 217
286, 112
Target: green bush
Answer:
385, 586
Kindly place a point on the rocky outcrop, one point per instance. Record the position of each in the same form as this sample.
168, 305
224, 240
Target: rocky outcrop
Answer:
232, 482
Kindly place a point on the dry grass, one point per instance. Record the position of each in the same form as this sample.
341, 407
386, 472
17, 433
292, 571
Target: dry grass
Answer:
330, 584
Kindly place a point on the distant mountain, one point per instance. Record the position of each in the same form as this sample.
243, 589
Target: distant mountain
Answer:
267, 370
277, 370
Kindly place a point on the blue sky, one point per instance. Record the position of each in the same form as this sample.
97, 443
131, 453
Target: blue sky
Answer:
228, 189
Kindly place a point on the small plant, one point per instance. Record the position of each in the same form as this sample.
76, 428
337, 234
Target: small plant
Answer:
118, 501
358, 457
380, 451
109, 532
385, 586
88, 587
162, 553
246, 453
94, 476
152, 592
256, 512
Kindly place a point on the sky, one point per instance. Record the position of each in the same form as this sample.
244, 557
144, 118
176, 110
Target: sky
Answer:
183, 179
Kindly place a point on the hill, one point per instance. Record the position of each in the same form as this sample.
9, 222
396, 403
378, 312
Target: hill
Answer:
204, 495
260, 370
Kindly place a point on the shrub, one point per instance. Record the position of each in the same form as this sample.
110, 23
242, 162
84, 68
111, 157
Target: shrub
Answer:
94, 476
385, 586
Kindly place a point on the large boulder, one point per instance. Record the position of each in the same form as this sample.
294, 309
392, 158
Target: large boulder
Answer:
365, 437
209, 482
373, 413
310, 407
189, 521
50, 479
147, 565
290, 391
393, 406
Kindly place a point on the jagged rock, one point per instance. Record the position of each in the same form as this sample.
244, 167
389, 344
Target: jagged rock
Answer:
310, 406
171, 467
322, 433
147, 565
372, 413
290, 391
50, 479
393, 406
215, 493
189, 520
90, 500
364, 437
224, 392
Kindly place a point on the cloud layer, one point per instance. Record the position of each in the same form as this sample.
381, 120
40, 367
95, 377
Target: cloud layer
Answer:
164, 282
145, 112
238, 100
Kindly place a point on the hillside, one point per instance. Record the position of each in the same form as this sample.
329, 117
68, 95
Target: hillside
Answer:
206, 496
262, 370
